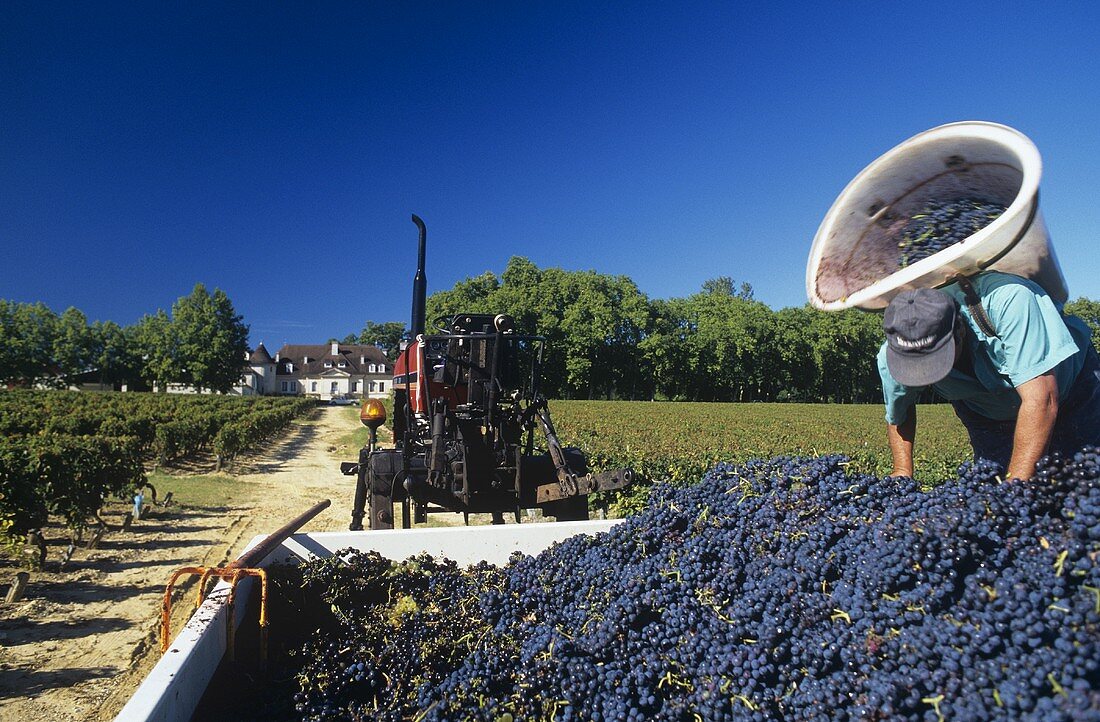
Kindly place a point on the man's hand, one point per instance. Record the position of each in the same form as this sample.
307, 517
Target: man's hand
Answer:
1034, 424
901, 439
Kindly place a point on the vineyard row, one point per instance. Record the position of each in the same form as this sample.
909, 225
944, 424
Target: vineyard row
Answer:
64, 453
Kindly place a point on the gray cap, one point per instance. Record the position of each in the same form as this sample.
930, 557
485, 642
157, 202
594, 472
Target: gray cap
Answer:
920, 336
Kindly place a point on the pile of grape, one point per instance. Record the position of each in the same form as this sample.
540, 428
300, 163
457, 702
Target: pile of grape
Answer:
944, 223
788, 589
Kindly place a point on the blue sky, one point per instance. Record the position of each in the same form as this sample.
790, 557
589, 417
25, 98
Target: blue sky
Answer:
276, 150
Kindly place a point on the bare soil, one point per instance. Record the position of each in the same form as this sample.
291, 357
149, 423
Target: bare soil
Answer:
82, 639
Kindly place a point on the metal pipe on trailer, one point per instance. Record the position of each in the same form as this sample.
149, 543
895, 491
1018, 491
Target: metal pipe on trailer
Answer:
246, 565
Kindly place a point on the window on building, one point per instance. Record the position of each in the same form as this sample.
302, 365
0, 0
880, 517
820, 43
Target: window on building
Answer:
372, 386
328, 364
333, 388
313, 386
284, 387
342, 364
294, 386
381, 385
354, 387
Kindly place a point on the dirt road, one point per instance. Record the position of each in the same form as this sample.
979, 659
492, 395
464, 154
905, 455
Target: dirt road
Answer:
82, 639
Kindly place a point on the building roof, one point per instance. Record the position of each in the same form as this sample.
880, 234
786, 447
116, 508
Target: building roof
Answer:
260, 355
355, 357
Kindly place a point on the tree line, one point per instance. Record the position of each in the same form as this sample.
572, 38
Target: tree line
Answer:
607, 339
202, 343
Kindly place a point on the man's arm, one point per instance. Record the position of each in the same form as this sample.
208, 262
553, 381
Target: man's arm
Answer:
901, 438
1034, 424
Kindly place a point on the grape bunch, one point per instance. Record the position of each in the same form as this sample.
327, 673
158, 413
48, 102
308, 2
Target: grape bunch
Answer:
781, 589
940, 224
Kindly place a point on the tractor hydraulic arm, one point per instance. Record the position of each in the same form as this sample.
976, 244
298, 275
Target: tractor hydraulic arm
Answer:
569, 483
437, 459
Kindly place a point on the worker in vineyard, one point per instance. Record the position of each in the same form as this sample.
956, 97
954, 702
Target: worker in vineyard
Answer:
1022, 377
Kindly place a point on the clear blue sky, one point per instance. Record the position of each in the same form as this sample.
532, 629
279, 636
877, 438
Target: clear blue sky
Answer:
275, 150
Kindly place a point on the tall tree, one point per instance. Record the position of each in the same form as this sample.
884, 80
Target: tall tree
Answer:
592, 323
386, 336
114, 354
155, 342
73, 344
845, 345
796, 370
1088, 311
665, 349
726, 286
469, 296
212, 340
27, 333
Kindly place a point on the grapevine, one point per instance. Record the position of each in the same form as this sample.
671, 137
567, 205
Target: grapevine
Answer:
63, 453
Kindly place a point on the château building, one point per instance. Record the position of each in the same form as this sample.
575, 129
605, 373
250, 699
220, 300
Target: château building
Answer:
323, 371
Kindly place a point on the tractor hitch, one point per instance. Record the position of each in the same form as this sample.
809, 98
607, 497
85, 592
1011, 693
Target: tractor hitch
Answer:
587, 484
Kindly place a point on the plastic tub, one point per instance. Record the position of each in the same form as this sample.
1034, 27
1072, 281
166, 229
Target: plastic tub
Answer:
174, 687
854, 258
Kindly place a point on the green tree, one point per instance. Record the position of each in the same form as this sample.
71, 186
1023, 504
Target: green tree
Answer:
726, 286
469, 296
604, 318
592, 323
386, 336
796, 368
154, 341
665, 349
714, 346
27, 333
73, 344
1088, 311
114, 355
212, 340
845, 345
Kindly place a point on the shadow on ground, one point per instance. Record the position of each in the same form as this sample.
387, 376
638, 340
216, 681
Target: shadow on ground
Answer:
277, 458
23, 682
23, 631
72, 590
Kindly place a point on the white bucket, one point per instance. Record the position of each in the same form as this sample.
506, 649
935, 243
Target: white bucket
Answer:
855, 254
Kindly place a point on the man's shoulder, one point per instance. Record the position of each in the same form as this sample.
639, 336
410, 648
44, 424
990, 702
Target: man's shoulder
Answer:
888, 380
994, 284
1008, 297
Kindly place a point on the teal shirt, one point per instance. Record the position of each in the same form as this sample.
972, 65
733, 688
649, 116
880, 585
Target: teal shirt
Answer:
1033, 337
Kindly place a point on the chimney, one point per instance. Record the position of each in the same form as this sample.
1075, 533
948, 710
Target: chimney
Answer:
335, 348
362, 360
276, 357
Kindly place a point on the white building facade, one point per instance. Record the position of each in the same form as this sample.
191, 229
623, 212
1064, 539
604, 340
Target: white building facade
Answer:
322, 371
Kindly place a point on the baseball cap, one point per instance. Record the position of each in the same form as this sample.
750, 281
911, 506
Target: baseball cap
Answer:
920, 336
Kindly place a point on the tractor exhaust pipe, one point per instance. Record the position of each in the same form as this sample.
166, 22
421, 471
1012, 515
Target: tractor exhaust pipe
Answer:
420, 283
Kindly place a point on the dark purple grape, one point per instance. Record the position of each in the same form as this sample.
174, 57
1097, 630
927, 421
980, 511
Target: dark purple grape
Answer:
940, 224
792, 588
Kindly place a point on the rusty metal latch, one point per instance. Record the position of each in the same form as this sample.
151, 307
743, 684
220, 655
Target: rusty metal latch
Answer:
247, 565
233, 575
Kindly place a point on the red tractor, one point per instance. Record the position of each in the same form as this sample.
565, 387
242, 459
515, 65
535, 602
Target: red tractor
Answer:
467, 410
